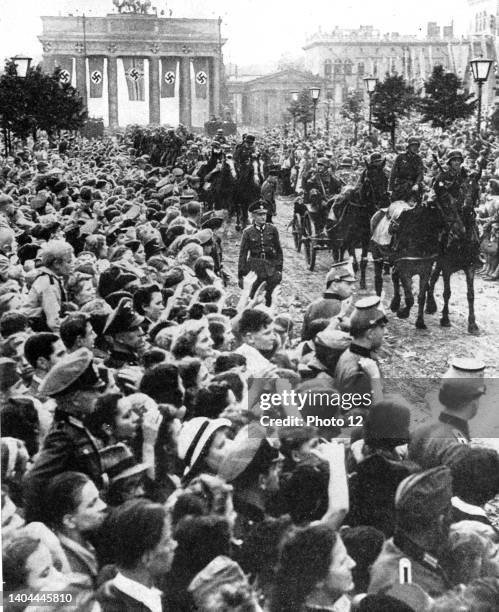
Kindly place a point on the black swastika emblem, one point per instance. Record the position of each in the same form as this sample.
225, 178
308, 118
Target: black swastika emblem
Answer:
96, 77
134, 74
169, 77
64, 77
201, 77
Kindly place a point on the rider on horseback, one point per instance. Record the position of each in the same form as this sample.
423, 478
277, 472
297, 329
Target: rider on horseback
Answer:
406, 178
320, 186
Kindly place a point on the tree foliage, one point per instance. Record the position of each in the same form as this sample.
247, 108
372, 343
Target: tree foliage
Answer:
494, 120
392, 99
303, 108
445, 99
39, 101
352, 109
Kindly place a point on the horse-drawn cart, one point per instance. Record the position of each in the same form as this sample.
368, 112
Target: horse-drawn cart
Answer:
310, 229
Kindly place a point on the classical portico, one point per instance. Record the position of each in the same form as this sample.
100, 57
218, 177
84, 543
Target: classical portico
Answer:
135, 68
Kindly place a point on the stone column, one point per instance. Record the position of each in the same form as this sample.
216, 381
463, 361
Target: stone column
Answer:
154, 111
185, 92
112, 88
81, 77
215, 88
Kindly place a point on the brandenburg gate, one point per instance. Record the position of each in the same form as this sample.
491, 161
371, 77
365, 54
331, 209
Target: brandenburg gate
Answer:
139, 69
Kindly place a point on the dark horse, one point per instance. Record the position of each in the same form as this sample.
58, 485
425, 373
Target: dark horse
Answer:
349, 228
415, 247
460, 248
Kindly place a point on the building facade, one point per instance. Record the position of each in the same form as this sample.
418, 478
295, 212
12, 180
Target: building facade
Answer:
137, 68
263, 101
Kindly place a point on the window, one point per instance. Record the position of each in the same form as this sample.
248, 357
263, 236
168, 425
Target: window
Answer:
348, 68
360, 69
328, 69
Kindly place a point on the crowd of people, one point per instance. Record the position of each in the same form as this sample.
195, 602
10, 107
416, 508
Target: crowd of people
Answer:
171, 441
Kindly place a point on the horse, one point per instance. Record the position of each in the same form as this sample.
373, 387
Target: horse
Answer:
349, 228
414, 249
460, 248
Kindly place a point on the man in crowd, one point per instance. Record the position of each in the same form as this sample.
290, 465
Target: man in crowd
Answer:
406, 178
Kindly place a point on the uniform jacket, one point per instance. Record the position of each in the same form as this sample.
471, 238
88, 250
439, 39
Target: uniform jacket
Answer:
69, 446
118, 358
260, 251
385, 570
350, 378
449, 182
434, 444
407, 171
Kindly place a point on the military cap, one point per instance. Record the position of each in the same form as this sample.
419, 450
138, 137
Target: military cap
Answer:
367, 314
114, 298
73, 372
323, 161
123, 318
413, 140
212, 220
258, 207
340, 272
455, 154
195, 436
462, 382
249, 447
153, 247
376, 158
250, 137
426, 494
346, 162
333, 339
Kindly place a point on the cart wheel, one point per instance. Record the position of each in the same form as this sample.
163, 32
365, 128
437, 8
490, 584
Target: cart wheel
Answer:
313, 253
297, 232
307, 237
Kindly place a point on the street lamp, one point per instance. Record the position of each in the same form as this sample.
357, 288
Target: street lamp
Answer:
370, 83
480, 67
294, 97
22, 64
315, 92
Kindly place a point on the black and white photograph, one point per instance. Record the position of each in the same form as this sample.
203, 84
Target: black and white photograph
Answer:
249, 305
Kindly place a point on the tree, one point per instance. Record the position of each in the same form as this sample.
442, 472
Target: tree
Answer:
38, 102
392, 99
494, 120
303, 109
352, 109
445, 99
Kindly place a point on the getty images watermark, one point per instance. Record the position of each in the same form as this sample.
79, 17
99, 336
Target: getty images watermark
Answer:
316, 408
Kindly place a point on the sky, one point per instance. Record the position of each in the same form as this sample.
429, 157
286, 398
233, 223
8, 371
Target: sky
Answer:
258, 31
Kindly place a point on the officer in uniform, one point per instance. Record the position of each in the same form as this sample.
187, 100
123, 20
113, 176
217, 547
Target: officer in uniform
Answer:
373, 184
75, 384
418, 547
406, 178
366, 327
125, 333
322, 181
461, 388
340, 284
450, 181
261, 252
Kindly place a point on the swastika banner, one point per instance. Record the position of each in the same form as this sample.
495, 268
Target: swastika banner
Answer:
65, 63
168, 76
134, 75
200, 76
96, 76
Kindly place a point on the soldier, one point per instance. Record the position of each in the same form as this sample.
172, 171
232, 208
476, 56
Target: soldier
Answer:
75, 384
346, 172
261, 252
357, 370
406, 178
374, 184
340, 284
125, 334
321, 182
462, 386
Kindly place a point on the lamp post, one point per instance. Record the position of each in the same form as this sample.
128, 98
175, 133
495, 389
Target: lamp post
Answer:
315, 92
294, 97
480, 68
370, 83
